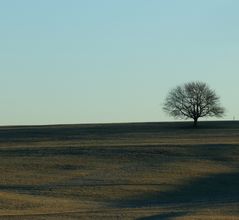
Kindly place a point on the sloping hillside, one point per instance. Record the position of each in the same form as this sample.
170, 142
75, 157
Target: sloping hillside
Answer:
120, 171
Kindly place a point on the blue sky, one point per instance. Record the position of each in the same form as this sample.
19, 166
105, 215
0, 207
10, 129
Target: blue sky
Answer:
76, 61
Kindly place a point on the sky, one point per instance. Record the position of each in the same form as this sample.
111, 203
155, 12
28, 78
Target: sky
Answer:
78, 61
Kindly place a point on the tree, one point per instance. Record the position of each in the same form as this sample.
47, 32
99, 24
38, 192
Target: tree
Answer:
193, 100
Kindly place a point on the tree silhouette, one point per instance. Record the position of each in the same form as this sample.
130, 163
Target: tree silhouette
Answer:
193, 100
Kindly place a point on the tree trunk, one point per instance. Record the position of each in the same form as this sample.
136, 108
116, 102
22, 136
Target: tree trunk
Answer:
195, 123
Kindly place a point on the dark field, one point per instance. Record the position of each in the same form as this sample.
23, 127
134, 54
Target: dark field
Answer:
143, 171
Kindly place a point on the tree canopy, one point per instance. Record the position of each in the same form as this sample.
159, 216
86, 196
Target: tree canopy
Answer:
193, 100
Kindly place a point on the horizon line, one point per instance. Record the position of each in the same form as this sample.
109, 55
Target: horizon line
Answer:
110, 123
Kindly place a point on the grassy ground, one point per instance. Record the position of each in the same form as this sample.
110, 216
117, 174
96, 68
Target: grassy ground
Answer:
120, 171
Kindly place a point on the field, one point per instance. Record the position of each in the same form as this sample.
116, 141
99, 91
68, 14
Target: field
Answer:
142, 171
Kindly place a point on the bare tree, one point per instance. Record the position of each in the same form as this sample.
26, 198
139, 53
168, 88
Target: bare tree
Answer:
193, 100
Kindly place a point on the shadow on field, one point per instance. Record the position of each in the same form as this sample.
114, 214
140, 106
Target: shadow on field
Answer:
109, 152
164, 216
214, 189
91, 131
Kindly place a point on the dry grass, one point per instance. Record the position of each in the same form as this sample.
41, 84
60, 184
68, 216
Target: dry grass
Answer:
125, 171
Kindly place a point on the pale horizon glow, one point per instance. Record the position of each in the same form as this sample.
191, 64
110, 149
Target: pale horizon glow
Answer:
73, 61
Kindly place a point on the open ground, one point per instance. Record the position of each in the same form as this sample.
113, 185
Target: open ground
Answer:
141, 171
